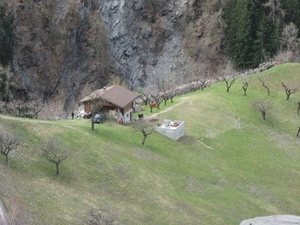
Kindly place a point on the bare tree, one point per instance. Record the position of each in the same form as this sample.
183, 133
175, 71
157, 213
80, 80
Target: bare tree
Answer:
8, 143
264, 84
229, 81
262, 106
289, 40
202, 83
172, 94
162, 90
54, 152
36, 106
245, 86
289, 90
15, 214
145, 97
165, 96
9, 107
19, 106
145, 127
155, 100
274, 7
284, 56
193, 86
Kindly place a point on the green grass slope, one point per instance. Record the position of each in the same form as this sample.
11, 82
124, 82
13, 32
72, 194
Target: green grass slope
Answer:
231, 165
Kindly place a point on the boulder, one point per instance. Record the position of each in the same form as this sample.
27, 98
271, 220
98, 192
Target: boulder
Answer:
273, 220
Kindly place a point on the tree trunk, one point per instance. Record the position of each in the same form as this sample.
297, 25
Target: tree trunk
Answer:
57, 169
6, 159
144, 139
264, 115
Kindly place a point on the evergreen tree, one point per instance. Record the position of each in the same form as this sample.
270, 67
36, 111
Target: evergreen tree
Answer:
246, 35
265, 44
6, 37
292, 11
251, 34
240, 32
260, 44
230, 16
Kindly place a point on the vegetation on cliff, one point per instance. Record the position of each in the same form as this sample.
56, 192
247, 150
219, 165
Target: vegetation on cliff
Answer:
256, 31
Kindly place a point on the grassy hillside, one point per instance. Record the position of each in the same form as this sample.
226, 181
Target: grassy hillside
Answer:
231, 165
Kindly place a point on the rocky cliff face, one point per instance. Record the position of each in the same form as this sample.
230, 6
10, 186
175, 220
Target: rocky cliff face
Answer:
62, 48
166, 39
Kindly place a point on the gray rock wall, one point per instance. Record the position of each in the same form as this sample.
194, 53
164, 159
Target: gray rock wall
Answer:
148, 40
62, 48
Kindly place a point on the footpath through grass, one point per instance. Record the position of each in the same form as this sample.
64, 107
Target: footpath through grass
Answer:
231, 165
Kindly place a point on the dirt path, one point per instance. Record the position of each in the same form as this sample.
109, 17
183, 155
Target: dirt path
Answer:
152, 116
163, 111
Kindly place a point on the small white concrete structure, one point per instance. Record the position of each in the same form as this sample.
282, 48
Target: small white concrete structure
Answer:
173, 129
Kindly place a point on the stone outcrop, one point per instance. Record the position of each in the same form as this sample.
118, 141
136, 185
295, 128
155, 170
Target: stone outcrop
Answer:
273, 220
3, 220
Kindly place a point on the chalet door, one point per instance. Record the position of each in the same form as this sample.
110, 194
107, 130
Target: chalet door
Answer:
88, 107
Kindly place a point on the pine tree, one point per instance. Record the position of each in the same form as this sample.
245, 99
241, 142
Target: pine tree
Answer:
230, 16
6, 37
252, 31
265, 44
260, 44
240, 34
292, 11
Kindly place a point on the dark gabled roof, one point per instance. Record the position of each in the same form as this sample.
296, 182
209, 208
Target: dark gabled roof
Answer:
95, 94
115, 94
119, 96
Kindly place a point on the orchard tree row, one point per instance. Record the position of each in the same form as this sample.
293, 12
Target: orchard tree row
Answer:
262, 105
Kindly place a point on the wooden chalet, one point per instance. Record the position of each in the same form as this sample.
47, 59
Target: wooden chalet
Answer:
116, 100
